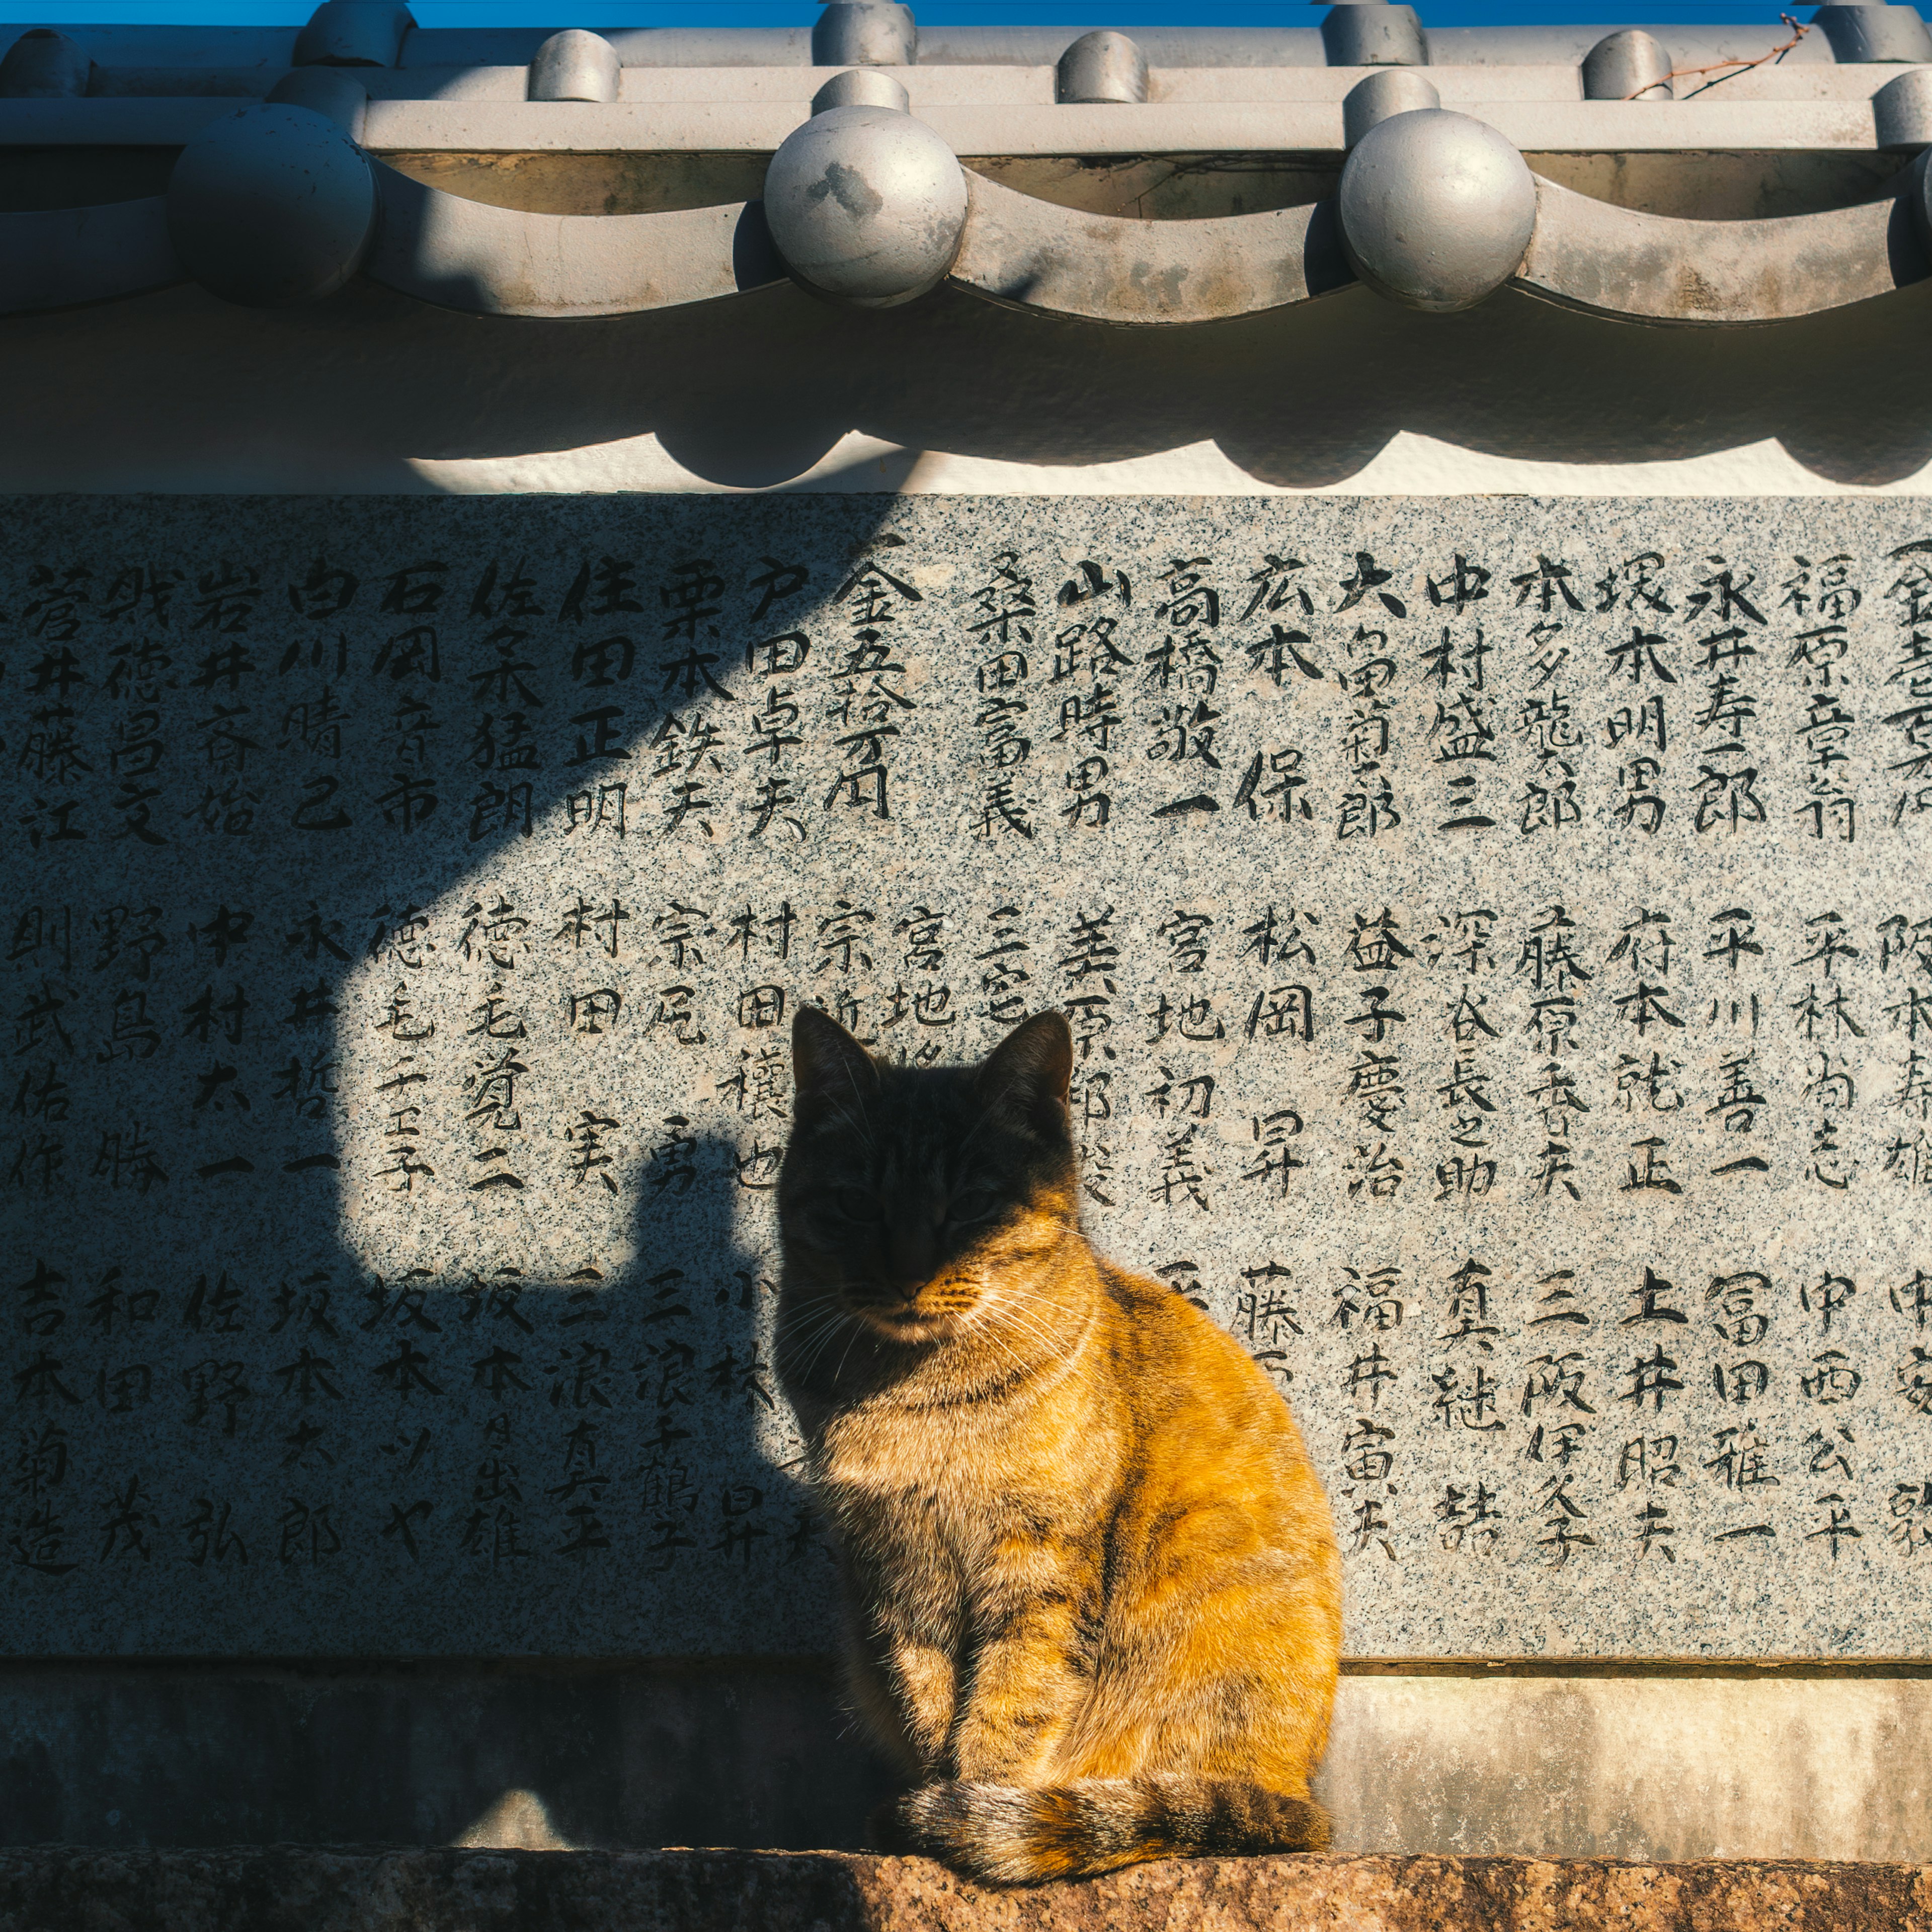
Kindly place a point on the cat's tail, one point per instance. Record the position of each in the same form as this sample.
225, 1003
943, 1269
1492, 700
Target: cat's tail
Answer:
1008, 1835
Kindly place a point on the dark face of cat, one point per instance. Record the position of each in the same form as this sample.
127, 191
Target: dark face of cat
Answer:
907, 1194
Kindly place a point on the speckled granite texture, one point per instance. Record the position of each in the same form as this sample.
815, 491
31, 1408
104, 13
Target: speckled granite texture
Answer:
1496, 933
54, 1891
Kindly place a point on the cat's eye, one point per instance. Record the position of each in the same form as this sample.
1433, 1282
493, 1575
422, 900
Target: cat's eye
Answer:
976, 1205
855, 1204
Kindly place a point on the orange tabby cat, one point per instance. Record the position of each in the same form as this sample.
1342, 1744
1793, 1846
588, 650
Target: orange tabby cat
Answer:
1093, 1595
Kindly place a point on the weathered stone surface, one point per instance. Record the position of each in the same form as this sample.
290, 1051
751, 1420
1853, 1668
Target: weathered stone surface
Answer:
1497, 936
756, 1752
287, 1891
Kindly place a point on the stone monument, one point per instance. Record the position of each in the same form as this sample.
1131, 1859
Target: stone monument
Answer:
1495, 935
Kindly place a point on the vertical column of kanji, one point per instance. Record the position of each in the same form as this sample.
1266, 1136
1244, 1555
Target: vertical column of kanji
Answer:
1728, 634
1904, 1145
391, 1489
842, 970
1460, 952
1744, 1465
603, 795
151, 694
55, 779
1639, 726
782, 697
1907, 664
755, 1074
999, 623
918, 1015
60, 768
1185, 1027
1649, 1028
1458, 678
595, 943
1468, 1366
1376, 1443
1180, 682
688, 773
582, 1450
1551, 972
1546, 719
1906, 1318
1658, 1374
58, 736
1273, 789
1816, 610
1090, 658
722, 983
1376, 1093
667, 1370
1549, 979
316, 727
44, 1486
309, 718
1738, 1142
52, 789
1832, 1017
321, 1406
1905, 966
149, 686
507, 692
411, 744
1829, 994
1370, 810
1279, 959
1557, 1409
1088, 964
493, 1091
489, 1513
866, 705
1842, 1420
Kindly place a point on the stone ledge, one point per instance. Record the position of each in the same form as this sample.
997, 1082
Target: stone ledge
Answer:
57, 1888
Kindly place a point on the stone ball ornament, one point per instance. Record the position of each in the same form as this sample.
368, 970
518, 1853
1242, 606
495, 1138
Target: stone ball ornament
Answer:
271, 207
866, 206
1436, 209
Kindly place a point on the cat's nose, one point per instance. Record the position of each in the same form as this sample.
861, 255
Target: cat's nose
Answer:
911, 1255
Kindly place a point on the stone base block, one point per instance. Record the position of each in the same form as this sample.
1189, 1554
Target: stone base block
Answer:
282, 1889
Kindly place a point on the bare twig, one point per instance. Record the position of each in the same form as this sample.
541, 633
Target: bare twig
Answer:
1729, 69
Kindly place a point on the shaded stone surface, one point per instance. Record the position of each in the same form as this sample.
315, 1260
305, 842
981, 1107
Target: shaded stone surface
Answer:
625, 1756
278, 1890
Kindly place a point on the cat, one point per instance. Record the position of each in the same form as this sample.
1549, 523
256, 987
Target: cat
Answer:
1092, 1592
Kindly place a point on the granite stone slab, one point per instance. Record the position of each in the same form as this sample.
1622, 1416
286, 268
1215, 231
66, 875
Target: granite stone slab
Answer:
53, 1889
1496, 934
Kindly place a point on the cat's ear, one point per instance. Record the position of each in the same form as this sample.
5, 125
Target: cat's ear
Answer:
1029, 1071
829, 1067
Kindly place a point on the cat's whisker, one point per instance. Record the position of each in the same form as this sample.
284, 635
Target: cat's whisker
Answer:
1050, 1344
794, 1332
858, 1329
822, 1338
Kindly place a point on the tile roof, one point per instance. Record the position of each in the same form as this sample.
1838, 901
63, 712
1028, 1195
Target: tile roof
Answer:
1684, 175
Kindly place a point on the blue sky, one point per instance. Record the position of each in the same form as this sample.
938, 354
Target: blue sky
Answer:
1125, 13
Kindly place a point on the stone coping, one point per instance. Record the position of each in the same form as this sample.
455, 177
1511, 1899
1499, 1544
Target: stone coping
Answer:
58, 1888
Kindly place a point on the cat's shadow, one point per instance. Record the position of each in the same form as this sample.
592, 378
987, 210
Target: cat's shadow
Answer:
727, 1749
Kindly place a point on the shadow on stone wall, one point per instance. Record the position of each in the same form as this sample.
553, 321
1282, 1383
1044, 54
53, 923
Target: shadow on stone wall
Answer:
177, 390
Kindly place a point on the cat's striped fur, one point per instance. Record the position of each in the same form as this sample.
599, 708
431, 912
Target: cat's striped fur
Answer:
1093, 1589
